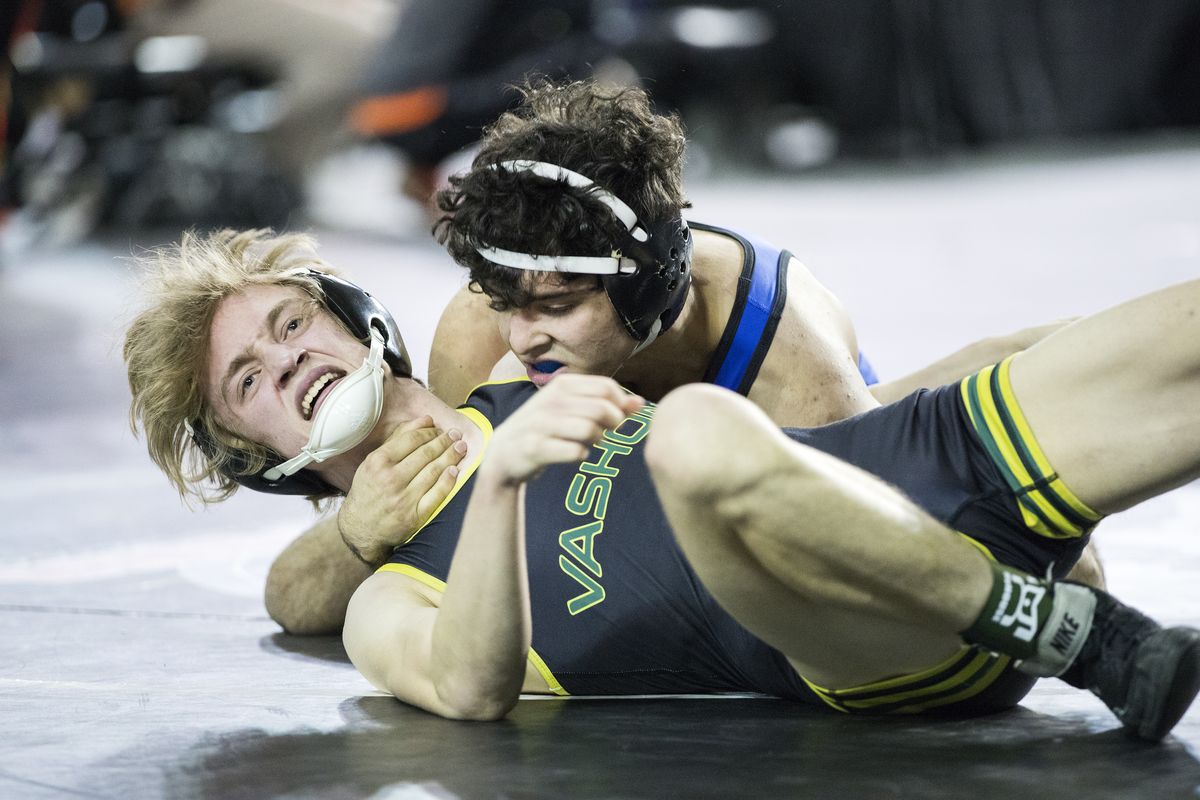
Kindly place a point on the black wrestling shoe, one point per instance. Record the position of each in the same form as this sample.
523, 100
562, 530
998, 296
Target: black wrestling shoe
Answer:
1147, 674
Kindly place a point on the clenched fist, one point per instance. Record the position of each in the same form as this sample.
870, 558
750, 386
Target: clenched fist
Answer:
557, 425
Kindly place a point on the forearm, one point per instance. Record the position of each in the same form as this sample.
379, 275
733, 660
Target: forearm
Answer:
964, 362
311, 581
483, 630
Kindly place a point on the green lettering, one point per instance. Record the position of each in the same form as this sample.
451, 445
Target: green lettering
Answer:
594, 591
643, 423
581, 501
580, 543
607, 451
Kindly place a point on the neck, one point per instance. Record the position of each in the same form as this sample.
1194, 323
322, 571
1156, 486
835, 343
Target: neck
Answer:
682, 354
677, 356
404, 401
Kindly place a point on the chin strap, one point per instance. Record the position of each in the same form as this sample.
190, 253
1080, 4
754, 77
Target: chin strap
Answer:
346, 417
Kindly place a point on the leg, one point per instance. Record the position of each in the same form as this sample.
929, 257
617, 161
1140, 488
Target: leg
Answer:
1112, 398
854, 584
828, 564
1088, 570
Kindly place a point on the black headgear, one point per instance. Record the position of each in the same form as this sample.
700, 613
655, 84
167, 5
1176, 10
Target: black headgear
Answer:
359, 312
646, 276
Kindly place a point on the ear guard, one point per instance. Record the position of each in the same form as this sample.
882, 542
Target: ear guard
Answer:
647, 274
361, 314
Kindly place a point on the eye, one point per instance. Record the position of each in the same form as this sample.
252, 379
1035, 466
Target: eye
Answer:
558, 309
247, 384
499, 306
292, 326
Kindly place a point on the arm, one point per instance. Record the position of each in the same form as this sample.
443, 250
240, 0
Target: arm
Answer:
466, 346
465, 659
396, 489
959, 365
310, 582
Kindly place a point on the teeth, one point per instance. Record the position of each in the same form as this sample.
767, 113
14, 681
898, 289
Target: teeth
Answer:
313, 391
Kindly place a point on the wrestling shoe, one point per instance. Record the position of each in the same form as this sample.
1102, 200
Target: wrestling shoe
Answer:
1147, 674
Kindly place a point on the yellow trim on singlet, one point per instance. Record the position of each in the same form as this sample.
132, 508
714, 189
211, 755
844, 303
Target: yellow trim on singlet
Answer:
984, 668
546, 674
982, 547
1001, 662
834, 697
484, 425
1014, 463
1034, 489
439, 586
973, 666
1035, 450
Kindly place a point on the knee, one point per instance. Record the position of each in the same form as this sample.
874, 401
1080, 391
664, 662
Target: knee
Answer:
707, 441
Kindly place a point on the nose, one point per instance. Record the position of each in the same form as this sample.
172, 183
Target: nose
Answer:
528, 336
286, 361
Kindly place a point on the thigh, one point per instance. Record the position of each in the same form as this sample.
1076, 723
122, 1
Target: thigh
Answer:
840, 572
1111, 398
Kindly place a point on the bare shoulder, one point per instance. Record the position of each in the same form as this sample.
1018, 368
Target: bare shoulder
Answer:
388, 614
466, 346
810, 374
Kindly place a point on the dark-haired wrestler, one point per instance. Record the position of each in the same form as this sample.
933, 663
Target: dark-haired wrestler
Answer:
543, 206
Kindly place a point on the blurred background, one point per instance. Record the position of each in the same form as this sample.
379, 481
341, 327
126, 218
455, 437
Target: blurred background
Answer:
951, 169
133, 115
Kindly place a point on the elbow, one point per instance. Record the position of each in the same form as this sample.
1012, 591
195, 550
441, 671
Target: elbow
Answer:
485, 712
478, 703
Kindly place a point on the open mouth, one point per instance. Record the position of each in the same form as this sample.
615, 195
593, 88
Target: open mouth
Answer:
317, 392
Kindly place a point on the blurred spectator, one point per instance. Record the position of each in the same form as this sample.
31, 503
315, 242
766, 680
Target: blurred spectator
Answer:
449, 66
176, 112
314, 49
197, 112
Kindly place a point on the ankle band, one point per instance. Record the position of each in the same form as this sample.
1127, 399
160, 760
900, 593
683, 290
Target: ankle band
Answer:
1013, 616
1065, 631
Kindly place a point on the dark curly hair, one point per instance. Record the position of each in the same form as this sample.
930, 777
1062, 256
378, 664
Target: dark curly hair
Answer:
611, 135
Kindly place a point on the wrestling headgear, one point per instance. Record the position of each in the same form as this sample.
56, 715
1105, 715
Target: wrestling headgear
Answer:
648, 272
349, 412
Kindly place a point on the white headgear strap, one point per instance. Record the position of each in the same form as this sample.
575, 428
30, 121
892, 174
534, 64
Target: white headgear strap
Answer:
347, 415
591, 265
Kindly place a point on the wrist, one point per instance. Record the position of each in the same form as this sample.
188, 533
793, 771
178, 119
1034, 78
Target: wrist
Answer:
490, 477
371, 555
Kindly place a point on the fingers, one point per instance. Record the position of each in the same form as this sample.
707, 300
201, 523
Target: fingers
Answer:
423, 472
441, 451
408, 437
591, 395
436, 493
604, 414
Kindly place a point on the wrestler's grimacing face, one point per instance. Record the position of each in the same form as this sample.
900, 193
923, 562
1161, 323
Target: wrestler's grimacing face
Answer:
274, 354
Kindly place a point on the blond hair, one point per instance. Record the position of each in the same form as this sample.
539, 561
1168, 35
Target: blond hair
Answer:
166, 347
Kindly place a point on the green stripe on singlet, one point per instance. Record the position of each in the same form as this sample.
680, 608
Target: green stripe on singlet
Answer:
988, 437
1042, 483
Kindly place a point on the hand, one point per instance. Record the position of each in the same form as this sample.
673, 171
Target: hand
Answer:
398, 486
557, 426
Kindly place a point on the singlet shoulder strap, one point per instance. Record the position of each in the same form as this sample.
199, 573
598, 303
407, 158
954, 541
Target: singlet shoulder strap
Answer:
757, 308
